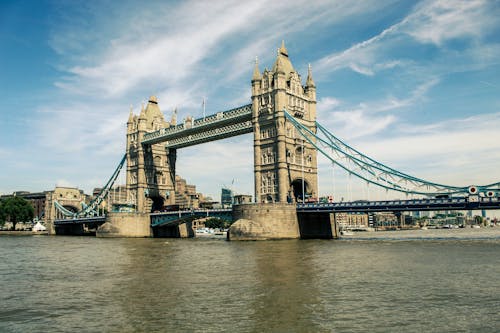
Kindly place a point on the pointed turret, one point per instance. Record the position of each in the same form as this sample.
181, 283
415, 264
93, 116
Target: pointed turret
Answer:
256, 73
278, 67
310, 81
282, 49
283, 64
130, 116
142, 115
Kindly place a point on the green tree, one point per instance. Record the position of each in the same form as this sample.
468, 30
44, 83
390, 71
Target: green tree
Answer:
16, 209
215, 222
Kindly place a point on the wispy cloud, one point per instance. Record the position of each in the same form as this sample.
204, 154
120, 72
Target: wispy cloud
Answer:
431, 22
460, 147
439, 21
368, 118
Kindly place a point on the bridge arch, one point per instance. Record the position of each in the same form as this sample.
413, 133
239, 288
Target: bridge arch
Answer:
296, 189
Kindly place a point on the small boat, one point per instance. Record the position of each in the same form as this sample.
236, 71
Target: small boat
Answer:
346, 233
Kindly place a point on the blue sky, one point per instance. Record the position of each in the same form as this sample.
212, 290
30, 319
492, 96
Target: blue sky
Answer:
413, 84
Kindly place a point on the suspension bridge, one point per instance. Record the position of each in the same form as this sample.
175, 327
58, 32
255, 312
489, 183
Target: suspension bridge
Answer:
287, 141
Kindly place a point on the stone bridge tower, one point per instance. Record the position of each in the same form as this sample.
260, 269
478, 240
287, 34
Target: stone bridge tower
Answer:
150, 168
285, 165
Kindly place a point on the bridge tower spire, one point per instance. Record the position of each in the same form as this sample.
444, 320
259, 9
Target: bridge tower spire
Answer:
285, 166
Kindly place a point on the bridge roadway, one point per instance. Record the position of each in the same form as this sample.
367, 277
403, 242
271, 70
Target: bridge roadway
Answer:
167, 219
81, 220
458, 203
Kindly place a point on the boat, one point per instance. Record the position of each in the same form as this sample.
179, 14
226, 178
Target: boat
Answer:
38, 227
346, 233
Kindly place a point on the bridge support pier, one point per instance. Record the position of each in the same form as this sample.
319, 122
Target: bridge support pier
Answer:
126, 225
184, 230
74, 230
318, 225
280, 221
264, 221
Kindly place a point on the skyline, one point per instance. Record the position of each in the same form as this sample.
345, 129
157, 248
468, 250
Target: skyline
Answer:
413, 86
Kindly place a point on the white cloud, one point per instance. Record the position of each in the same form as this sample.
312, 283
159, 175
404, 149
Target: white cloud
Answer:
434, 22
367, 118
457, 150
439, 21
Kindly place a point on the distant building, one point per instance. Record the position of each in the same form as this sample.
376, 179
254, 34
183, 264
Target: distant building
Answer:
385, 219
186, 195
242, 199
36, 199
226, 197
352, 220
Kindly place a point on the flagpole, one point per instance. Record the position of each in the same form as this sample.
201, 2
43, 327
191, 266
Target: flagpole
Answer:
203, 107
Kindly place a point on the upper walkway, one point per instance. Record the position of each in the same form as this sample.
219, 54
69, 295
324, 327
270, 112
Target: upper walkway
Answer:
218, 126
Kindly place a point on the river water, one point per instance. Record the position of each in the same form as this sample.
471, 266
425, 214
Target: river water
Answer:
415, 281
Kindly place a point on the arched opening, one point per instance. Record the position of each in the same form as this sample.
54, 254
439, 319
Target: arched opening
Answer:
268, 199
298, 195
158, 203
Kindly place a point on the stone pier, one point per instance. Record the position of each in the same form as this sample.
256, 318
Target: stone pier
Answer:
264, 221
279, 221
126, 225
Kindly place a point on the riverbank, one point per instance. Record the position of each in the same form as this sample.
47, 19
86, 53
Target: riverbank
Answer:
427, 234
22, 233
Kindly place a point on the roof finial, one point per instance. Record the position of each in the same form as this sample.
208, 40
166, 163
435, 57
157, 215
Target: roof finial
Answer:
309, 80
283, 49
256, 73
131, 114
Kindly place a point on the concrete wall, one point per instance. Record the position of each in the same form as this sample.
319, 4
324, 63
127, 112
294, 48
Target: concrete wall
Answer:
68, 229
264, 221
126, 225
317, 225
184, 230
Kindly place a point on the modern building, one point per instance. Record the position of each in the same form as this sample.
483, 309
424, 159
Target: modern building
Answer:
226, 197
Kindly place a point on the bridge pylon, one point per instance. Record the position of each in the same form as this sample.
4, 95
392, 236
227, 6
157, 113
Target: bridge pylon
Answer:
285, 165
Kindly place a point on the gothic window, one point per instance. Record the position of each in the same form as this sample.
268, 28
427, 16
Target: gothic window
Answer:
298, 155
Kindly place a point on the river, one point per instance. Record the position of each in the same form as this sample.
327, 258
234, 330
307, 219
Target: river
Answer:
412, 281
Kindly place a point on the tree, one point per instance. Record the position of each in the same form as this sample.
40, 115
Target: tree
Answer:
16, 209
215, 222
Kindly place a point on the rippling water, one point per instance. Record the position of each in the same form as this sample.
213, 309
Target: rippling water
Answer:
418, 281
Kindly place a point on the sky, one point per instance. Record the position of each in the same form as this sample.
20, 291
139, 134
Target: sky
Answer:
412, 84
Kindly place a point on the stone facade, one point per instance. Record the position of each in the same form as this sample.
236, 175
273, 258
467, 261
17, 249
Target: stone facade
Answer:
126, 225
284, 163
69, 198
150, 168
264, 221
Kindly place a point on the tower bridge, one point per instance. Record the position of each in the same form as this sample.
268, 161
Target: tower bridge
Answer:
286, 141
